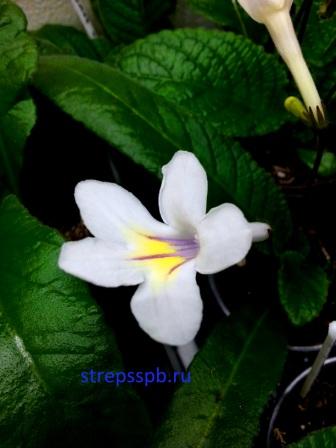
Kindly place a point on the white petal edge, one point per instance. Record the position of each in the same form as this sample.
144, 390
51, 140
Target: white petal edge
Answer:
225, 237
109, 210
171, 313
96, 262
183, 193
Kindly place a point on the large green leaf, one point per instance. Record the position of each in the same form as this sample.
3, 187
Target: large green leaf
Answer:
59, 39
222, 77
231, 380
303, 287
50, 331
326, 438
126, 20
15, 127
18, 55
150, 130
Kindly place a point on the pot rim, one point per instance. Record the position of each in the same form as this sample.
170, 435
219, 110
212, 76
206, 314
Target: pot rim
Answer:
286, 392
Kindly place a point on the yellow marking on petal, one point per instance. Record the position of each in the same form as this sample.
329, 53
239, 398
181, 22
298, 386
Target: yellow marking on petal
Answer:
145, 245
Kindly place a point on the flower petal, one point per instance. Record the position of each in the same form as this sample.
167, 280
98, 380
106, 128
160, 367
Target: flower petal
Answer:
225, 237
108, 210
99, 263
171, 312
260, 231
183, 193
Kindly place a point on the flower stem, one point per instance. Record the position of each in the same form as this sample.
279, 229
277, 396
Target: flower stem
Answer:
281, 29
318, 158
84, 18
304, 348
172, 356
319, 146
302, 17
240, 19
320, 359
331, 93
187, 352
218, 297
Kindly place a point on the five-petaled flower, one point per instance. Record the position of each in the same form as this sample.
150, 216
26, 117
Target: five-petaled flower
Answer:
275, 15
130, 247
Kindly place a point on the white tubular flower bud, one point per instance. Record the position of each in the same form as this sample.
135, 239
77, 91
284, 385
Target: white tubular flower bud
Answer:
274, 14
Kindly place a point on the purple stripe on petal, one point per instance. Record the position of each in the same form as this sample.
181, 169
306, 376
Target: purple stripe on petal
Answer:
186, 248
153, 257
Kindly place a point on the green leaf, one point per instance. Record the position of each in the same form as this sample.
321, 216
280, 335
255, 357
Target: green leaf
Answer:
303, 287
127, 20
327, 165
15, 127
230, 383
51, 331
319, 44
150, 130
230, 15
12, 21
59, 39
224, 78
326, 438
18, 55
222, 12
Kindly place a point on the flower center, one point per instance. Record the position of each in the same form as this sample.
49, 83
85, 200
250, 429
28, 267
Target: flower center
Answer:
162, 256
171, 247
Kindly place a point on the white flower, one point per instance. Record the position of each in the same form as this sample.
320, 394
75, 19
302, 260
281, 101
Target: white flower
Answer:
274, 14
42, 12
130, 247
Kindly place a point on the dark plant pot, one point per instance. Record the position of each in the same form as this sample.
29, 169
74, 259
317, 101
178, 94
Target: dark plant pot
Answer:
294, 417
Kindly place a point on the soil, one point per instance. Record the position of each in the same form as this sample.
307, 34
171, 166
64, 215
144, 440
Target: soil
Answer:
298, 416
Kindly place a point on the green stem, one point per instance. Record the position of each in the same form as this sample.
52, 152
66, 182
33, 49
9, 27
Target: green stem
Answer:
302, 17
240, 19
7, 167
320, 146
318, 158
330, 94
